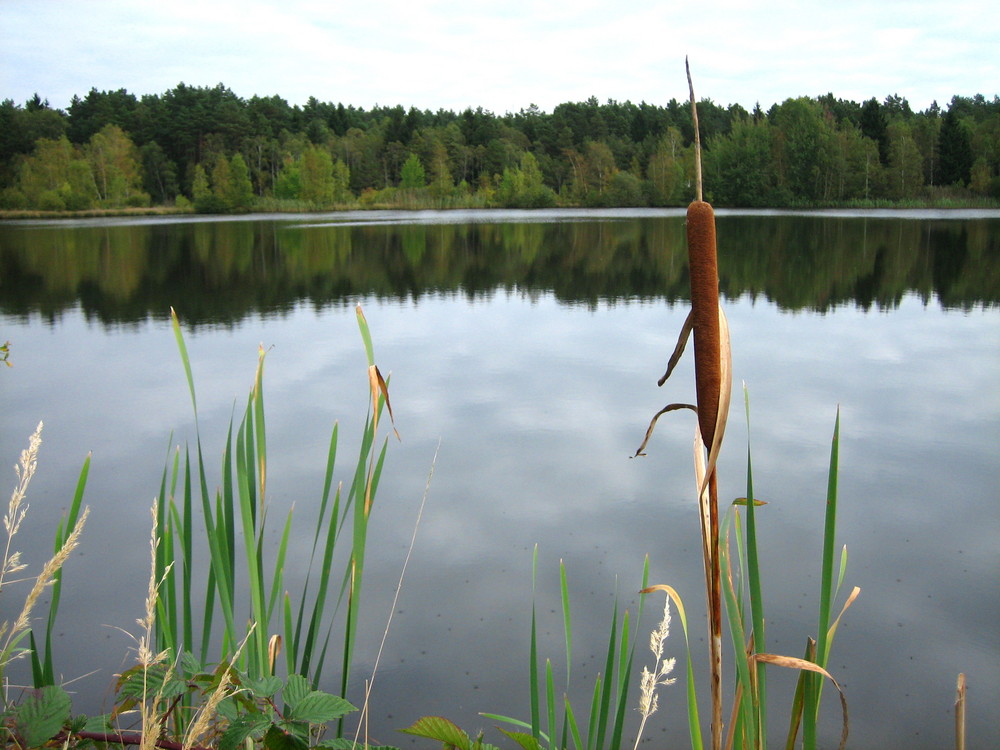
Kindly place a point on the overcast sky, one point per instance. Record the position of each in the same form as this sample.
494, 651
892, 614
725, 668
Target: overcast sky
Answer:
503, 56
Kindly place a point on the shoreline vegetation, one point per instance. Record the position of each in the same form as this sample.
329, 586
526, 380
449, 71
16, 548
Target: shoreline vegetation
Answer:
294, 207
206, 150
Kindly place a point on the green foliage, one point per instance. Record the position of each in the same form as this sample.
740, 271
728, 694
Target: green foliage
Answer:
288, 186
450, 736
412, 175
315, 177
116, 168
56, 177
955, 149
821, 151
741, 166
240, 194
522, 187
201, 193
665, 171
275, 713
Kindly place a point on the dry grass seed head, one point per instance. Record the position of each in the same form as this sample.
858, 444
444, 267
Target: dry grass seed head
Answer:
47, 575
25, 470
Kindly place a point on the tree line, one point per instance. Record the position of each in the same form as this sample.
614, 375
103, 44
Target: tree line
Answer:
205, 148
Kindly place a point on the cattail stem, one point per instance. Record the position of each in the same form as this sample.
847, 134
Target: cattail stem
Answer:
697, 136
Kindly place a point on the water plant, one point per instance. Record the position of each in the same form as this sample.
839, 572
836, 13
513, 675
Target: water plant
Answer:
234, 520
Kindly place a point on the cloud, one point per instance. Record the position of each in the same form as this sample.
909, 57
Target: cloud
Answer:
503, 57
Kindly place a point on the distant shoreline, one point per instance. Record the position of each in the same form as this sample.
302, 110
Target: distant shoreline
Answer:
272, 209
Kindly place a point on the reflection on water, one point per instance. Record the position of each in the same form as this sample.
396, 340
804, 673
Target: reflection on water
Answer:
227, 270
538, 404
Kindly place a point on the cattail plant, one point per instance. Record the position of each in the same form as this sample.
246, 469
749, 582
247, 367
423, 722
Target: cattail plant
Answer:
713, 381
724, 574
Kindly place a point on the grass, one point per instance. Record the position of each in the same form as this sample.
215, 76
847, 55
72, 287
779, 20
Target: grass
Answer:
250, 622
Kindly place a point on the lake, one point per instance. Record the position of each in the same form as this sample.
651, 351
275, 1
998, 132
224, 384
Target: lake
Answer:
524, 348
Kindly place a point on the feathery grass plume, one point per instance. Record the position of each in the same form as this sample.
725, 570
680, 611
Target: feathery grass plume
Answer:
152, 720
48, 572
208, 712
148, 621
650, 680
16, 508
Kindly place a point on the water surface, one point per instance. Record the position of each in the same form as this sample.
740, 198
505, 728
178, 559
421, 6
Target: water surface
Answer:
528, 346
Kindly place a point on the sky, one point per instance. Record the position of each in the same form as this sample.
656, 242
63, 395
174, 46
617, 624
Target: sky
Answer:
503, 56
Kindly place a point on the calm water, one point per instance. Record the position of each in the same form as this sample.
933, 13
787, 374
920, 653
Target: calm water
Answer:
528, 345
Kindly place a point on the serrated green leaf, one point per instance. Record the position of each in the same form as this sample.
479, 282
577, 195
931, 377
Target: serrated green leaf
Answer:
294, 728
319, 708
276, 739
440, 729
42, 715
264, 687
100, 723
342, 743
173, 688
298, 687
190, 664
227, 709
523, 739
138, 682
339, 743
240, 729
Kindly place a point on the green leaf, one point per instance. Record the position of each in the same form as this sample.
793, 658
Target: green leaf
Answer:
440, 729
240, 729
523, 739
276, 739
136, 683
265, 687
298, 687
42, 715
227, 709
319, 708
190, 663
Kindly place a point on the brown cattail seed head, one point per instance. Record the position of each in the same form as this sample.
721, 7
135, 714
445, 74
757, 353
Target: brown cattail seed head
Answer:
704, 269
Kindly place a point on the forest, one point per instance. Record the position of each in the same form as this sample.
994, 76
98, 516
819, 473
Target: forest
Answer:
206, 149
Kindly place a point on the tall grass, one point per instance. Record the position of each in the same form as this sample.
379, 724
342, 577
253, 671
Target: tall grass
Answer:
246, 614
